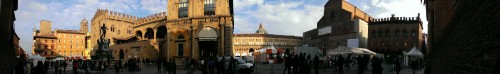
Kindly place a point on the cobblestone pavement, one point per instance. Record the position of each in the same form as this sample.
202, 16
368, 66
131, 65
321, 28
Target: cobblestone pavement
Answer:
260, 69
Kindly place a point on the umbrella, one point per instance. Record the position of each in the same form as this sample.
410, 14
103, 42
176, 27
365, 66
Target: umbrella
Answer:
415, 52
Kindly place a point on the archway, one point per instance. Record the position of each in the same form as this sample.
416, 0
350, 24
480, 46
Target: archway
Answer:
138, 34
207, 41
149, 33
161, 32
250, 51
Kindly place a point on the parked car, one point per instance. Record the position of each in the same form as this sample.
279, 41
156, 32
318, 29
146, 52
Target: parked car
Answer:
241, 66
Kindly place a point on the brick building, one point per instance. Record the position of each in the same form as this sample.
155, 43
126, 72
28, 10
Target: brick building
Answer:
463, 36
342, 24
59, 43
395, 34
190, 28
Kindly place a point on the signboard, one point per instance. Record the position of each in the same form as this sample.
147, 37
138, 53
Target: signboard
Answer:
354, 43
325, 30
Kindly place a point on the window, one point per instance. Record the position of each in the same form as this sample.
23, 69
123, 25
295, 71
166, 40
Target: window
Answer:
112, 28
183, 9
374, 33
332, 15
387, 31
413, 33
405, 33
209, 7
379, 34
396, 34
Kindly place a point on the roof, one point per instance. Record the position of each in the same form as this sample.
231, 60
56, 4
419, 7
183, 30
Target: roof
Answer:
70, 31
266, 35
51, 36
123, 38
261, 30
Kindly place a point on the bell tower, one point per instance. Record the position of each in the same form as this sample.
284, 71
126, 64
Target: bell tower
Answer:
84, 26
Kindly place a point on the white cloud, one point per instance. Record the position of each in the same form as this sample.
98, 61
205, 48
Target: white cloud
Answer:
154, 5
286, 18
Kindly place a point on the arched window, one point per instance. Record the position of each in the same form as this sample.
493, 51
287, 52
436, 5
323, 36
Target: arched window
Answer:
112, 28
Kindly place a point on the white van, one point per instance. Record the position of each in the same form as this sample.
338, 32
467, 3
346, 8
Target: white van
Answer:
241, 66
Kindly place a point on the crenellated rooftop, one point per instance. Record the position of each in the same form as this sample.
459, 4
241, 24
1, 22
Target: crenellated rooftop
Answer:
151, 18
393, 19
129, 18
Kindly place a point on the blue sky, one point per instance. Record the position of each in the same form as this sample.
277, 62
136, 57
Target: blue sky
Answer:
285, 17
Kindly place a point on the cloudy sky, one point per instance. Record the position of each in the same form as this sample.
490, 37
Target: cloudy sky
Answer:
286, 17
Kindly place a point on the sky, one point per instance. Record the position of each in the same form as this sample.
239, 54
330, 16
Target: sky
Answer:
283, 17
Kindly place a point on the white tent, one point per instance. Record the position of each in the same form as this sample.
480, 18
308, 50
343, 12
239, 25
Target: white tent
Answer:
346, 50
415, 52
36, 58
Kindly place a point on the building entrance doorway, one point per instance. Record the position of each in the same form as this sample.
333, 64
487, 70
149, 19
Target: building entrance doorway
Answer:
208, 42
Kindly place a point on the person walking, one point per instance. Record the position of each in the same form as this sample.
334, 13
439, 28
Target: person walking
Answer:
377, 66
340, 63
56, 66
316, 64
232, 63
65, 64
413, 66
158, 65
397, 65
287, 64
221, 66
39, 68
117, 69
75, 67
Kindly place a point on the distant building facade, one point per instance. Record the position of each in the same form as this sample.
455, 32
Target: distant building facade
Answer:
245, 44
395, 34
59, 43
190, 29
341, 25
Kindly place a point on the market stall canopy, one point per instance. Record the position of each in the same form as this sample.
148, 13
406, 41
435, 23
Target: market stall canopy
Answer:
268, 48
415, 52
349, 50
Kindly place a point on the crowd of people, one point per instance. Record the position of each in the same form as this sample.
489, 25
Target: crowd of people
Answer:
301, 64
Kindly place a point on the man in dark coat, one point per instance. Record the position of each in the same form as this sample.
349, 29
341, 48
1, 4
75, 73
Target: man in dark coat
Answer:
340, 64
287, 64
397, 64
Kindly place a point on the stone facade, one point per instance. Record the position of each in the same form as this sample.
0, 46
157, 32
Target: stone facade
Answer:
395, 34
182, 33
245, 44
341, 22
464, 37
